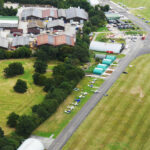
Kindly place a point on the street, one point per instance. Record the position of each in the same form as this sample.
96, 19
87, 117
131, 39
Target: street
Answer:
140, 47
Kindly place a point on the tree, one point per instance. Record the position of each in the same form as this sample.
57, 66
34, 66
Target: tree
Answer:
40, 66
14, 69
12, 120
1, 133
21, 86
25, 126
1, 3
39, 79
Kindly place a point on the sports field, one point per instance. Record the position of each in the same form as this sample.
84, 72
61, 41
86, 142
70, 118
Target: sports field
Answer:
121, 121
136, 4
11, 101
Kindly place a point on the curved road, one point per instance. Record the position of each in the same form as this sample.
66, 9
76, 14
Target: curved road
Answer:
140, 47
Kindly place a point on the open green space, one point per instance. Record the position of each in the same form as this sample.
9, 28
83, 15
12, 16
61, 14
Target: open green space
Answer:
134, 4
102, 29
120, 121
11, 101
58, 121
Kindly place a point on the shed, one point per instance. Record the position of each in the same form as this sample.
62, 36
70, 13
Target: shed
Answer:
103, 66
31, 144
107, 61
112, 16
100, 56
98, 71
112, 57
104, 47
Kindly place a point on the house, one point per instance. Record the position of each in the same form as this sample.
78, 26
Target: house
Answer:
33, 31
56, 25
3, 43
16, 32
106, 47
9, 22
76, 14
50, 14
20, 41
55, 40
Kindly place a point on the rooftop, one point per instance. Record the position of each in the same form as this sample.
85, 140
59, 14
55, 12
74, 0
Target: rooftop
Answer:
9, 18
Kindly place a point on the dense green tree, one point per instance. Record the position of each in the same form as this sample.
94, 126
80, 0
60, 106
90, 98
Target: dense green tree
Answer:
39, 79
1, 133
25, 126
40, 66
13, 69
49, 85
21, 86
12, 119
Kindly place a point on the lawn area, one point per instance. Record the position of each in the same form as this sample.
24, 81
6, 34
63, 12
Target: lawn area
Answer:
103, 29
136, 4
11, 101
57, 122
121, 120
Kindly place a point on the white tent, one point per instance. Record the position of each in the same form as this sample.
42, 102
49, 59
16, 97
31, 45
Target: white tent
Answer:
93, 2
104, 47
31, 144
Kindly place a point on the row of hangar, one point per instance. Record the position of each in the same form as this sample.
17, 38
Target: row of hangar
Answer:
106, 62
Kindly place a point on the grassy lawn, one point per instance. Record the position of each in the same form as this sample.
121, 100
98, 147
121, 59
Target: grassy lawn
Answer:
121, 120
11, 101
136, 4
57, 122
103, 29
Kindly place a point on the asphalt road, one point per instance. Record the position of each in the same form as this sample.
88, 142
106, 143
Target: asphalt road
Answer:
140, 47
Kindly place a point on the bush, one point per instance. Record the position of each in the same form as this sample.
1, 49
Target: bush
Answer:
13, 70
1, 133
40, 66
12, 120
21, 86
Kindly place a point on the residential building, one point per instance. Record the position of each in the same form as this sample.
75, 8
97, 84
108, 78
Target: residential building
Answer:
4, 43
20, 41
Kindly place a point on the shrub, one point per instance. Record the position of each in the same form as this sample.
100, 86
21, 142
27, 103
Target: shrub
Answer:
12, 120
21, 86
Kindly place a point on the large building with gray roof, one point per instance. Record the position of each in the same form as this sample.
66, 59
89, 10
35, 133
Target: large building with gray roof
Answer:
3, 43
20, 41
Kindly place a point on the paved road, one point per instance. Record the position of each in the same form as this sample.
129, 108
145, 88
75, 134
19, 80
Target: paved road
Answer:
140, 47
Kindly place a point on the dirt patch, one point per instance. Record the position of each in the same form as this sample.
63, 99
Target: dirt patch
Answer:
109, 71
137, 90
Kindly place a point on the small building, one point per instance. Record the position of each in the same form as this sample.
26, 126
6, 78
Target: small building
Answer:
9, 22
112, 16
103, 66
31, 144
76, 14
106, 47
98, 71
20, 41
107, 62
36, 24
16, 32
55, 40
100, 56
113, 58
56, 25
4, 43
50, 14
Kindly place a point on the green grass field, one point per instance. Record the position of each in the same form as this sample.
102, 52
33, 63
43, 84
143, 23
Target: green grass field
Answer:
121, 120
136, 4
11, 101
57, 122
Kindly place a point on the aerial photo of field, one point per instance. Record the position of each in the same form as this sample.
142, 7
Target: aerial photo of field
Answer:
121, 120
